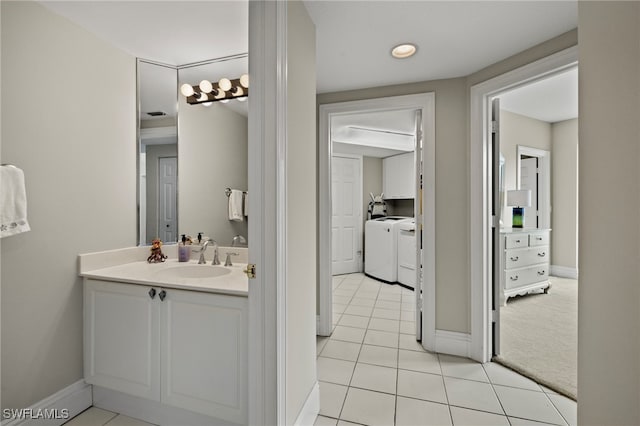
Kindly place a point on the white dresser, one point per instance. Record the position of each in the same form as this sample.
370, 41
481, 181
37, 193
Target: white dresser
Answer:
525, 261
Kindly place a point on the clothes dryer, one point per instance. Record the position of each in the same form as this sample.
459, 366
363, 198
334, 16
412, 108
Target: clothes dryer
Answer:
407, 254
381, 247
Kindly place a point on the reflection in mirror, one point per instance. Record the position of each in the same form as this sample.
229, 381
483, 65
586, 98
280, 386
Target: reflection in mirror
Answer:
212, 154
157, 152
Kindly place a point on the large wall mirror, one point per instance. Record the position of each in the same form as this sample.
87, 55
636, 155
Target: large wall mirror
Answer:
189, 155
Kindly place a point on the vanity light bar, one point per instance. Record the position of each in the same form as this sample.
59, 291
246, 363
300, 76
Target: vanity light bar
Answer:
212, 92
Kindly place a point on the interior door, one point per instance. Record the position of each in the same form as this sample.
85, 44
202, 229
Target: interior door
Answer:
168, 181
529, 180
346, 218
496, 210
417, 214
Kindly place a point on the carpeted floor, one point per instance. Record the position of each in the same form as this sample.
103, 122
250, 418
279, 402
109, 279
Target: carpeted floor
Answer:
539, 336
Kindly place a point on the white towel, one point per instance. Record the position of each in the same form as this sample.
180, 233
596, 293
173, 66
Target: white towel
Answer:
235, 205
245, 204
13, 202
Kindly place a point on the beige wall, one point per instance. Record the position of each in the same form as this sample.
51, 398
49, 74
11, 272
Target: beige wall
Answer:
452, 200
301, 209
516, 129
609, 207
564, 193
79, 158
212, 156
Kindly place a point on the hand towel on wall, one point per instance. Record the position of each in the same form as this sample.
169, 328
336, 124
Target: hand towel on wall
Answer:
13, 202
245, 204
235, 205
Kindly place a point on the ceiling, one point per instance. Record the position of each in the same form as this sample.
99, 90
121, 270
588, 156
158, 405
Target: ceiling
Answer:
353, 39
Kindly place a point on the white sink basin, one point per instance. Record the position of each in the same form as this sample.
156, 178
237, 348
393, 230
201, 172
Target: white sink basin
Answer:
193, 271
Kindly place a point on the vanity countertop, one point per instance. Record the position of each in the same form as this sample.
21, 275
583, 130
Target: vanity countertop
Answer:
127, 266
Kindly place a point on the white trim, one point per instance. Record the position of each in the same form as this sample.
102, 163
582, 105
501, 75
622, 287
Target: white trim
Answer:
544, 202
318, 325
480, 194
360, 196
311, 408
75, 398
563, 272
453, 343
424, 101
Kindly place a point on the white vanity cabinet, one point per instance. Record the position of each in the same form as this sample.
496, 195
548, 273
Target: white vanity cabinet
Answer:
525, 261
398, 176
185, 349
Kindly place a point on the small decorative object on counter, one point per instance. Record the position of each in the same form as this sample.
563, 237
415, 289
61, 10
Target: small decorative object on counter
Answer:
156, 252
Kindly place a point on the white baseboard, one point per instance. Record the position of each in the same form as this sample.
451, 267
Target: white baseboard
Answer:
563, 272
55, 409
453, 343
310, 409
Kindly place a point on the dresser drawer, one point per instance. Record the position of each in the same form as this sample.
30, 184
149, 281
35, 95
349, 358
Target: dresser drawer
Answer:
521, 277
516, 241
519, 258
538, 239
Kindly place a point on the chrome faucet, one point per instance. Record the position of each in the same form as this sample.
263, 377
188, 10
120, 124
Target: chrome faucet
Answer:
202, 249
227, 262
239, 241
216, 260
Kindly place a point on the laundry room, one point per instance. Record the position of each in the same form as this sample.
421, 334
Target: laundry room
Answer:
373, 188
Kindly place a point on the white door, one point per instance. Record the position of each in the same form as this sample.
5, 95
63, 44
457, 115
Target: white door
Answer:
529, 180
346, 216
121, 334
496, 209
167, 199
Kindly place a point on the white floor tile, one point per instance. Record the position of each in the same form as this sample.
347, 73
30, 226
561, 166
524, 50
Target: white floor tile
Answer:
341, 292
366, 294
384, 325
325, 421
121, 420
353, 321
358, 301
395, 297
320, 342
345, 423
375, 378
363, 311
499, 375
92, 416
369, 408
568, 408
408, 306
408, 327
528, 404
348, 334
339, 308
412, 412
344, 300
471, 394
466, 417
428, 387
335, 370
524, 422
462, 368
378, 355
388, 304
407, 315
341, 350
409, 342
331, 399
386, 313
381, 338
424, 362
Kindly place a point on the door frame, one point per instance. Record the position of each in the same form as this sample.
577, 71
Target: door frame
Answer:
544, 184
480, 254
360, 211
426, 103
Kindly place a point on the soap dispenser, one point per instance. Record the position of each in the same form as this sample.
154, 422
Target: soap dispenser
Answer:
184, 250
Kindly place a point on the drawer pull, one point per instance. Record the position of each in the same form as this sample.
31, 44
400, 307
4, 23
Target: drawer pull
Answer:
514, 258
540, 272
514, 278
162, 295
518, 241
152, 293
542, 254
539, 238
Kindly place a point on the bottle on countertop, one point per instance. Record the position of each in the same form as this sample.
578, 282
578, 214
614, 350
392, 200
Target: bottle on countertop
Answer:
184, 249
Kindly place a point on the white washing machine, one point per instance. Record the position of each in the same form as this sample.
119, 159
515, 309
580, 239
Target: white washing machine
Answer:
381, 247
407, 253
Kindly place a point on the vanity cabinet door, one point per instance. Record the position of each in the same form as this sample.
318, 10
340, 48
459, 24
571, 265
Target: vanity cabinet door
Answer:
121, 338
204, 353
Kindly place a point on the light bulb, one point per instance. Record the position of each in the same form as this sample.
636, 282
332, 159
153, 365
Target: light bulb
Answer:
244, 80
203, 97
206, 86
224, 84
403, 51
237, 91
221, 94
187, 90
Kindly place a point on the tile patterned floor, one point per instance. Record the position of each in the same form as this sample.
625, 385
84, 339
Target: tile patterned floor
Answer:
373, 372
94, 416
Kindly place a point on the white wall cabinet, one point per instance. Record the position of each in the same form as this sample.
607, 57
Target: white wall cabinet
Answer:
185, 349
398, 176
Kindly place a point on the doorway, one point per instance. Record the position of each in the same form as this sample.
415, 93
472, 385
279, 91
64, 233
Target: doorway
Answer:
521, 154
425, 167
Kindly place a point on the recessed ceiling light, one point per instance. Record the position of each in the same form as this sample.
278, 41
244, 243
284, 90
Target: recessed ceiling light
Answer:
404, 50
